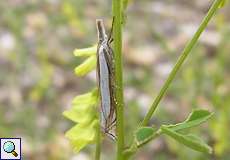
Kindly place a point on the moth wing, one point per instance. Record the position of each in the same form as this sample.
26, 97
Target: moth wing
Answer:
104, 86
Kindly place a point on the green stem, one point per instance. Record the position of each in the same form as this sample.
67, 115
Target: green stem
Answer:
117, 35
98, 142
180, 61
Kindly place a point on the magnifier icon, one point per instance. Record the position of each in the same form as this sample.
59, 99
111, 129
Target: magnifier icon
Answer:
9, 147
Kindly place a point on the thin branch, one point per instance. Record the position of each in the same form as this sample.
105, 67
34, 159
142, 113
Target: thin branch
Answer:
132, 149
98, 142
181, 59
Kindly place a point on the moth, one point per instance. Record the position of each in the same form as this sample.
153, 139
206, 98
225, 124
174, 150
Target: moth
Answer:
105, 79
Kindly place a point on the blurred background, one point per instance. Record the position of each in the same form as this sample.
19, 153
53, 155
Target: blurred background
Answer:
37, 81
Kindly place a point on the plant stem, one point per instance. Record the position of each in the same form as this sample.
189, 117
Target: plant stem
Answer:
175, 69
98, 142
181, 59
117, 35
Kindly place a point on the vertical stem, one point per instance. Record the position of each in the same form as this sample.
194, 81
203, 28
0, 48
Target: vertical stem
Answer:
98, 143
181, 59
117, 35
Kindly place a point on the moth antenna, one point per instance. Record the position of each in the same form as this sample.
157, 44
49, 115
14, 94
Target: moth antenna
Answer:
111, 32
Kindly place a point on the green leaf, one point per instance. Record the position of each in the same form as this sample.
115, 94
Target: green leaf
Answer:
87, 66
195, 118
81, 135
190, 141
144, 134
86, 52
223, 3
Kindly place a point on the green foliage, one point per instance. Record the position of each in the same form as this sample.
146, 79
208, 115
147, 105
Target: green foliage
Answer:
223, 3
84, 113
190, 141
144, 134
195, 118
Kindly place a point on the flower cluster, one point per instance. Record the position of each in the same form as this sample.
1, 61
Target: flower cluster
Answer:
84, 107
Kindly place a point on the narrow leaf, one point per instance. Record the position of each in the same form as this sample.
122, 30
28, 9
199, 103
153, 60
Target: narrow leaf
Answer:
85, 52
195, 118
87, 66
190, 141
198, 114
223, 3
144, 134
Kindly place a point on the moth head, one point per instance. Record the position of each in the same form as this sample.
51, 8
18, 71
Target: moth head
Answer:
101, 30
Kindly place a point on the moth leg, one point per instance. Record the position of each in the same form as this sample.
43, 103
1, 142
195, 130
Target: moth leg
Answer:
110, 40
110, 135
107, 130
112, 125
